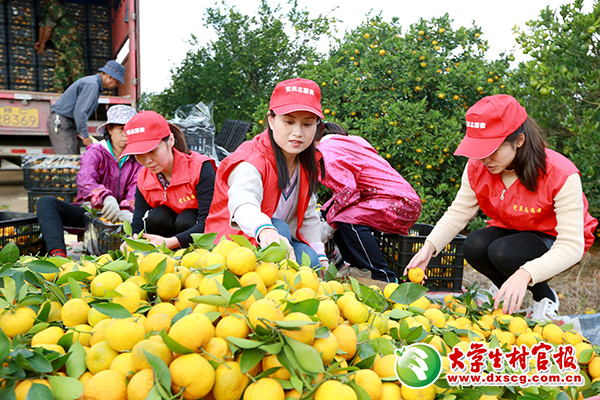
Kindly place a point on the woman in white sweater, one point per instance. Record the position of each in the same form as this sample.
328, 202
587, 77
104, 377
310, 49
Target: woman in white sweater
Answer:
539, 222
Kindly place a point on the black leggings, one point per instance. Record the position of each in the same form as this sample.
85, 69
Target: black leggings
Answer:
165, 222
498, 253
53, 215
359, 247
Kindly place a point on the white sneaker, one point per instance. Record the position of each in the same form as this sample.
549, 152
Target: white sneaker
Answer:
546, 309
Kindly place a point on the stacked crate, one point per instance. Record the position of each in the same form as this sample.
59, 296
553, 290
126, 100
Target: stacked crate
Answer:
21, 26
22, 69
98, 39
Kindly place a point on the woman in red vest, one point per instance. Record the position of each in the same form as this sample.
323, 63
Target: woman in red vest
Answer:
175, 187
539, 222
265, 190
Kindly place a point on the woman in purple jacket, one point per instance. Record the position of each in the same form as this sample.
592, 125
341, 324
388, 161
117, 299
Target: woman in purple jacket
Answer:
103, 182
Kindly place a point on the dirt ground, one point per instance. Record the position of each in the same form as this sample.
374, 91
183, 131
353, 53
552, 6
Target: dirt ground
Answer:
578, 287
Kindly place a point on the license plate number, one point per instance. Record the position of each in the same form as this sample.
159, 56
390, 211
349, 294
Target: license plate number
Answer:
19, 117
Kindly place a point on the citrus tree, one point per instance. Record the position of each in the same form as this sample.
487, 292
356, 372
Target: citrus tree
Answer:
241, 67
559, 86
407, 93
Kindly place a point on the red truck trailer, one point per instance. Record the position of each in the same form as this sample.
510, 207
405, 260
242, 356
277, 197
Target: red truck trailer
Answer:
110, 30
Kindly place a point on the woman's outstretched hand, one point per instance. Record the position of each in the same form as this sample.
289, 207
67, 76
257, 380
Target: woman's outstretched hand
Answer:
513, 291
422, 258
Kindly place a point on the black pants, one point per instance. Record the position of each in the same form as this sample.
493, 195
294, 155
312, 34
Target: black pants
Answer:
359, 247
167, 223
498, 253
53, 215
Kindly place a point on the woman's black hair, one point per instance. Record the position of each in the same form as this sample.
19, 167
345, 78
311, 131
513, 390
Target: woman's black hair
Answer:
179, 138
331, 128
307, 160
530, 161
107, 133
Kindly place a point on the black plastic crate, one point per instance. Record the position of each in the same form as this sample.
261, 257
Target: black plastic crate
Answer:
21, 34
45, 74
46, 58
98, 12
98, 237
444, 272
20, 12
50, 172
21, 76
22, 229
76, 12
95, 63
98, 29
100, 48
21, 54
4, 74
232, 134
3, 53
34, 195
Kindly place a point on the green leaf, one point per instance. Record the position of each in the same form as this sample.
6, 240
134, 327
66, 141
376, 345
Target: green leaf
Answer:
306, 260
75, 289
155, 275
56, 291
65, 388
140, 244
4, 346
355, 285
291, 325
242, 294
118, 265
76, 275
383, 346
244, 343
250, 357
9, 290
39, 392
361, 394
39, 363
9, 253
42, 267
65, 341
230, 280
307, 356
154, 394
322, 332
160, 368
450, 338
38, 328
272, 348
308, 307
331, 272
212, 299
204, 240
272, 254
127, 228
586, 356
399, 314
296, 383
407, 292
76, 364
173, 345
112, 310
242, 241
181, 314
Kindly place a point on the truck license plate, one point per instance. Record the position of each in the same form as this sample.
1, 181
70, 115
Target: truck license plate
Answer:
19, 117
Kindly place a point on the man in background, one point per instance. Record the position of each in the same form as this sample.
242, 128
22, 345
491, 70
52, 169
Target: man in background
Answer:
57, 24
70, 113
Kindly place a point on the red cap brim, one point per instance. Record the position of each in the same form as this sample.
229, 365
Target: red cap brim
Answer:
478, 148
290, 108
141, 147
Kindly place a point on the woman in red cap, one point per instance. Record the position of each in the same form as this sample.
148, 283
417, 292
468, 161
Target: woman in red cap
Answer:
265, 190
539, 222
175, 187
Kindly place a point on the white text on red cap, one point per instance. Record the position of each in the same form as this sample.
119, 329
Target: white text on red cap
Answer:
476, 125
135, 130
298, 89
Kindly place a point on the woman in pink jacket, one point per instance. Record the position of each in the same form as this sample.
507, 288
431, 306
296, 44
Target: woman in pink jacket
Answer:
368, 194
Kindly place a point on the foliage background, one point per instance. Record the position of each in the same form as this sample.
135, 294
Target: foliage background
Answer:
404, 90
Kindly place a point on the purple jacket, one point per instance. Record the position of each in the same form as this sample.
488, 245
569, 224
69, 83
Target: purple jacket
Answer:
366, 189
99, 176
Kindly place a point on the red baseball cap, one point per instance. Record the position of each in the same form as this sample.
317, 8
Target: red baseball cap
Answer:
144, 132
296, 95
490, 121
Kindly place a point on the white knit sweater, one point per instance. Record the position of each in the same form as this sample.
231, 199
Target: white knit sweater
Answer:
568, 248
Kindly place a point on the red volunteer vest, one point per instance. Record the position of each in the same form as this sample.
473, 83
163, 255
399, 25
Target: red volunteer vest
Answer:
259, 153
518, 208
181, 193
